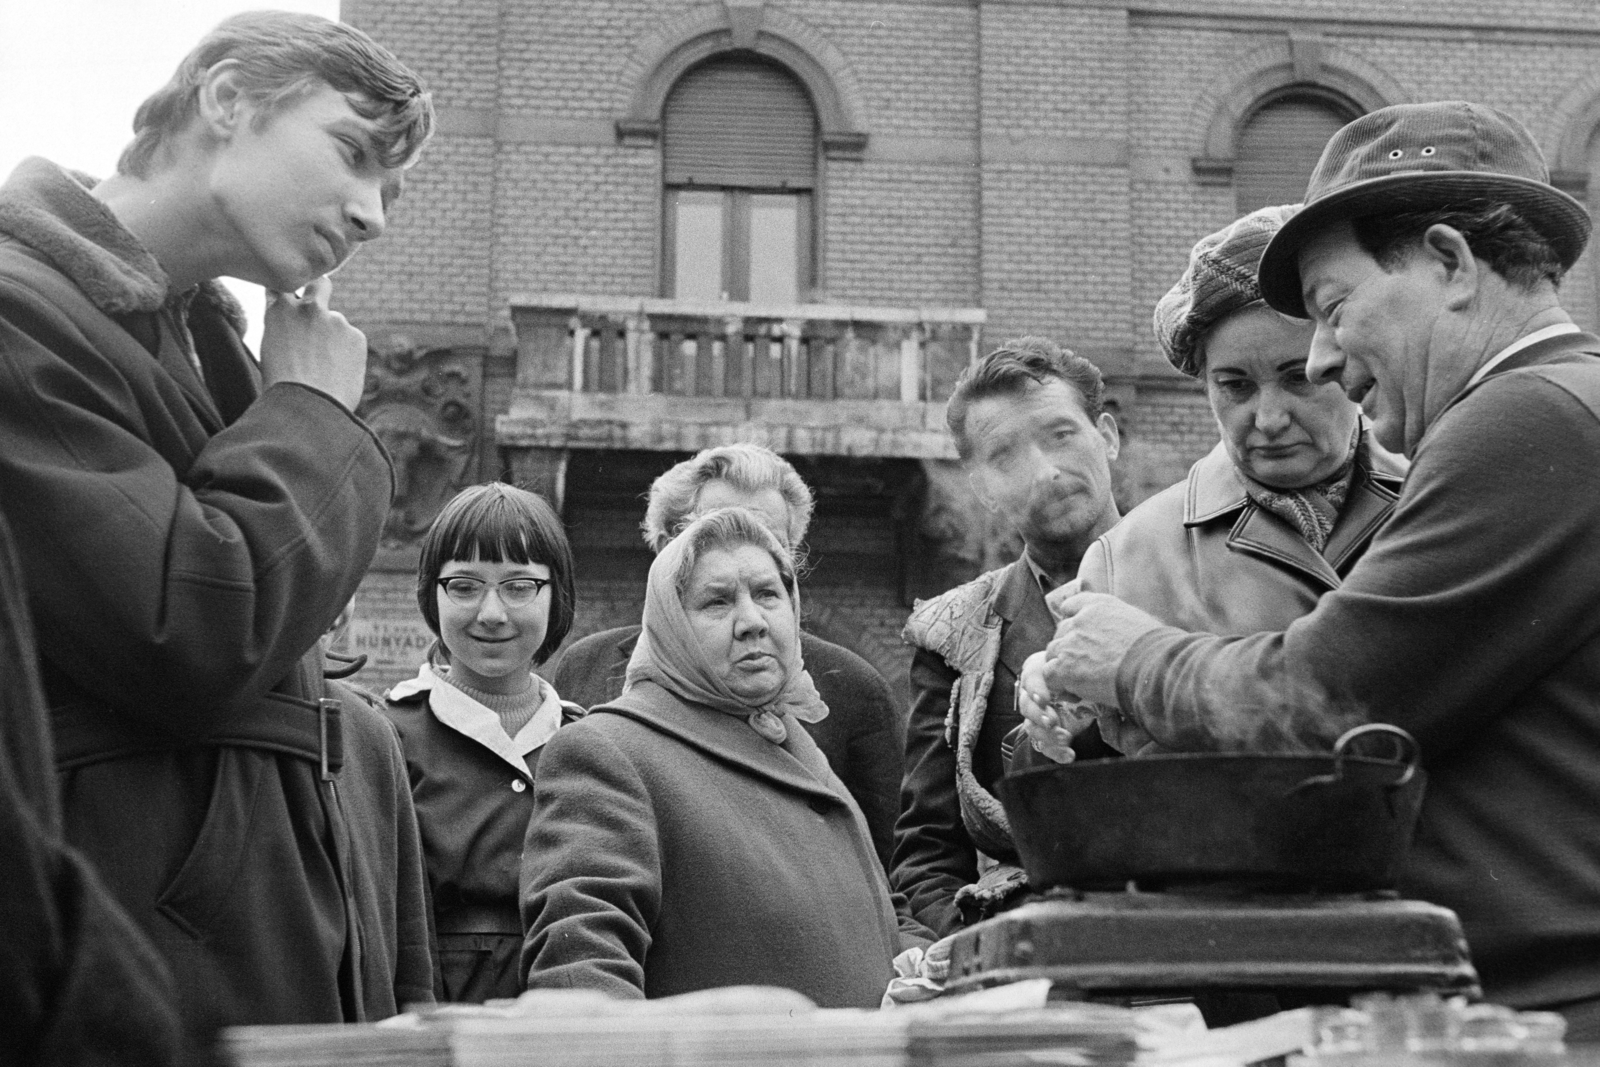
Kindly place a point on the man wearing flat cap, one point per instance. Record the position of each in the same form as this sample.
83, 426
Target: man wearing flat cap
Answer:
1428, 255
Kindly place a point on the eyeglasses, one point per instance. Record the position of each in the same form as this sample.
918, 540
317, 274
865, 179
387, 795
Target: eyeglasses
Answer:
514, 592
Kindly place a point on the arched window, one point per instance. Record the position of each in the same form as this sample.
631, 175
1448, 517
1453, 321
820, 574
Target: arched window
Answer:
1279, 145
739, 167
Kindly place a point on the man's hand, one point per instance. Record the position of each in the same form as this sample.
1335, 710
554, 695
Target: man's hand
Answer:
1050, 725
1093, 636
919, 974
303, 341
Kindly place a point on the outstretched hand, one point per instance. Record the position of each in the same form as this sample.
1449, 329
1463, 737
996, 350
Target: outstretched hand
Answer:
1050, 723
1092, 638
304, 341
919, 974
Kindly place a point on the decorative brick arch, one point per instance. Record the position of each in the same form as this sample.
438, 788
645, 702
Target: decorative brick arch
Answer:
1301, 63
1568, 129
748, 27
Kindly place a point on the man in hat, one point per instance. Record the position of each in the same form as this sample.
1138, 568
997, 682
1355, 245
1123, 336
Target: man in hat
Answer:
1428, 255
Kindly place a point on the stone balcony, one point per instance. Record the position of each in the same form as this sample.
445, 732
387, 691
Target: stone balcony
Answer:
598, 372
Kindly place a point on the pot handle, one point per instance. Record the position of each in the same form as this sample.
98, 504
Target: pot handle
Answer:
1409, 754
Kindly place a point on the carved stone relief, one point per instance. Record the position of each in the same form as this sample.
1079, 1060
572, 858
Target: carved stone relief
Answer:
425, 406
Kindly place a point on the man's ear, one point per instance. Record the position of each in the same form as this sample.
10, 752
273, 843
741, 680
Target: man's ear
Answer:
1107, 426
1447, 249
982, 494
221, 102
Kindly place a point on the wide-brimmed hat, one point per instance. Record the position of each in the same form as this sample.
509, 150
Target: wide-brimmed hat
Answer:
1418, 156
1220, 279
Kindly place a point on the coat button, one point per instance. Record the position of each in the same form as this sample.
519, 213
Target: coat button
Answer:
518, 784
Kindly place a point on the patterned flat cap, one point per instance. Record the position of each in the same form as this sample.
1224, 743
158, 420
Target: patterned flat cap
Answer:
1220, 279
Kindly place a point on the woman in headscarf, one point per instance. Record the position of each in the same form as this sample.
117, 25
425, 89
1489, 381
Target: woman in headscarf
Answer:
1276, 514
689, 834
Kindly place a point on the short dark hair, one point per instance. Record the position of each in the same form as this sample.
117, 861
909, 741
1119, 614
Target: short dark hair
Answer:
281, 55
1007, 371
500, 523
1497, 233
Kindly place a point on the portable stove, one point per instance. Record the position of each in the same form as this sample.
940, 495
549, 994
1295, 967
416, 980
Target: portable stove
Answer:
1322, 947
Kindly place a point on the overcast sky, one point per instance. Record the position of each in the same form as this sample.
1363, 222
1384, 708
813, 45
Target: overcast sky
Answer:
73, 71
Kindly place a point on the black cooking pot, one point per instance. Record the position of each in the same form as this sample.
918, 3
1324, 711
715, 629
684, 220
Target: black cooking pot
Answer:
1334, 823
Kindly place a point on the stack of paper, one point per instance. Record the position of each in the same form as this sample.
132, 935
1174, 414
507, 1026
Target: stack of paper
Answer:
335, 1046
742, 1027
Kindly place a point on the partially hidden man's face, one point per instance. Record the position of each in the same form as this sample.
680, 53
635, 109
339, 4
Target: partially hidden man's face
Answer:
1039, 461
1384, 336
300, 189
768, 504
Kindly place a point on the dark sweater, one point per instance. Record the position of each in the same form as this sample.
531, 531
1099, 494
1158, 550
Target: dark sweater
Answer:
1472, 622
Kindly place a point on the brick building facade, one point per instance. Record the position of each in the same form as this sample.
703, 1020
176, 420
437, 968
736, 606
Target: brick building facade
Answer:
985, 168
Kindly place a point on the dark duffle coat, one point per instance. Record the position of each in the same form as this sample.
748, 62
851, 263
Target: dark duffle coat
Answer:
186, 539
81, 985
673, 849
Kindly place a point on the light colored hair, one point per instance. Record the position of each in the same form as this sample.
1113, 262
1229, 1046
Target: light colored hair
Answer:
730, 528
281, 55
749, 468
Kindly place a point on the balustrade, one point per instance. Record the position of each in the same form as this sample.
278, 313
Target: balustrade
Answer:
595, 371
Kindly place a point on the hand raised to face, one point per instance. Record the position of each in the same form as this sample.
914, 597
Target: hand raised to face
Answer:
303, 340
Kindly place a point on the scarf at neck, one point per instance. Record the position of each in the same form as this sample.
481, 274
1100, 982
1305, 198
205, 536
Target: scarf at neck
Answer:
1314, 509
668, 654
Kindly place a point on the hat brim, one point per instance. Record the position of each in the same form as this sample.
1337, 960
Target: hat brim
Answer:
1561, 219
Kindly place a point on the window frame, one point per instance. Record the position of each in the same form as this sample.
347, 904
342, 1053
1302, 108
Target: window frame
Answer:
735, 282
736, 203
1338, 103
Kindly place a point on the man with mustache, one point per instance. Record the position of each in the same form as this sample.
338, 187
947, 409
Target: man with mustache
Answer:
1030, 426
1429, 254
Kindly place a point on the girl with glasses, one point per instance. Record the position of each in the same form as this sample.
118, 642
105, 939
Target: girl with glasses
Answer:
495, 585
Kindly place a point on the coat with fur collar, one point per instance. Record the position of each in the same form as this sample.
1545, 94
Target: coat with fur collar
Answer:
969, 646
186, 540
